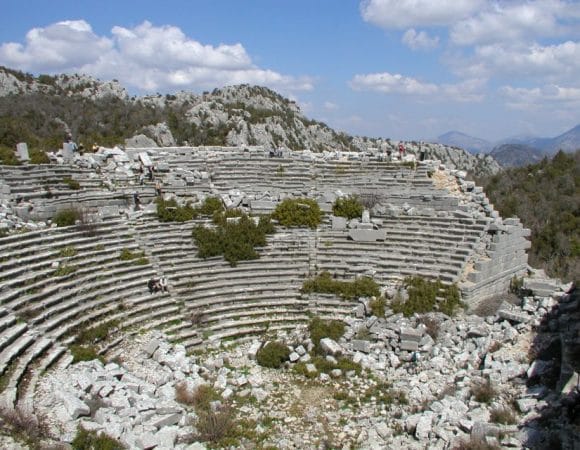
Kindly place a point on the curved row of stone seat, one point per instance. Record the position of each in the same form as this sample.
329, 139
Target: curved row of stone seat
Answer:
102, 287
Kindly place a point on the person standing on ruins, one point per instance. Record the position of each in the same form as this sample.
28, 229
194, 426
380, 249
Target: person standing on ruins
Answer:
401, 150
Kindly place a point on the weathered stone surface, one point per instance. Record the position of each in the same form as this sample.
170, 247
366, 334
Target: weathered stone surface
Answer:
330, 347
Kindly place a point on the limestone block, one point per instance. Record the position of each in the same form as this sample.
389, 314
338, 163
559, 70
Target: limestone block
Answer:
361, 346
294, 357
330, 347
74, 407
411, 346
146, 441
22, 151
339, 223
410, 334
423, 427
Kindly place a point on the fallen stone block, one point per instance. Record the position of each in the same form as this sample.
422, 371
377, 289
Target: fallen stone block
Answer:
74, 407
330, 347
410, 334
410, 346
361, 345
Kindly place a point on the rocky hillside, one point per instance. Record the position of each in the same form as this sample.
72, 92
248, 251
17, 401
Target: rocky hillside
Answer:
39, 110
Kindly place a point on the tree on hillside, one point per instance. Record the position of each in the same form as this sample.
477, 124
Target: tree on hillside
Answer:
546, 197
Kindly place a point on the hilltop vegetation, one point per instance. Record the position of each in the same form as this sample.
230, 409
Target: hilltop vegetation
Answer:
546, 197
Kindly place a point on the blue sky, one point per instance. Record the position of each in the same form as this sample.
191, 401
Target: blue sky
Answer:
404, 69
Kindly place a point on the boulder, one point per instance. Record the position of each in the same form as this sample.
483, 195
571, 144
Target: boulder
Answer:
330, 347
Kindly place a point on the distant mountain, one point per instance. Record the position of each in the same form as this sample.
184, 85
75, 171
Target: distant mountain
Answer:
471, 144
568, 142
516, 155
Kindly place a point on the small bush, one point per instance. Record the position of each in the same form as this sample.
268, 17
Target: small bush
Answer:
67, 252
349, 207
215, 425
91, 440
66, 217
210, 206
273, 355
84, 353
64, 270
300, 212
202, 397
170, 211
38, 156
95, 334
71, 183
378, 307
483, 392
236, 241
426, 296
138, 258
504, 416
325, 284
319, 329
8, 157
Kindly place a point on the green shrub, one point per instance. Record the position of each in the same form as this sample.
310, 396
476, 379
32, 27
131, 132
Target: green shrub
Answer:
319, 329
95, 334
66, 217
72, 184
91, 440
170, 211
210, 206
236, 241
64, 270
8, 157
67, 252
378, 306
38, 156
349, 207
138, 258
273, 355
325, 284
423, 297
84, 353
300, 212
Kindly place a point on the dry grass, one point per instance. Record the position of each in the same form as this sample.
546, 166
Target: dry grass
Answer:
214, 425
24, 426
483, 392
504, 416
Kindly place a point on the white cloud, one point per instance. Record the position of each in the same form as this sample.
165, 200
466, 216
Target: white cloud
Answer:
510, 22
552, 63
62, 45
330, 106
540, 97
419, 41
401, 14
466, 91
147, 57
391, 84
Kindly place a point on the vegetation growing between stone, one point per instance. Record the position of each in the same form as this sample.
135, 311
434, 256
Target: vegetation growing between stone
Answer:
299, 212
71, 183
545, 196
273, 355
66, 217
137, 257
91, 440
349, 207
170, 211
234, 240
320, 329
325, 284
426, 296
24, 426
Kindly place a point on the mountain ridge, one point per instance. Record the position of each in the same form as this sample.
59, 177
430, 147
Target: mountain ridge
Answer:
39, 110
